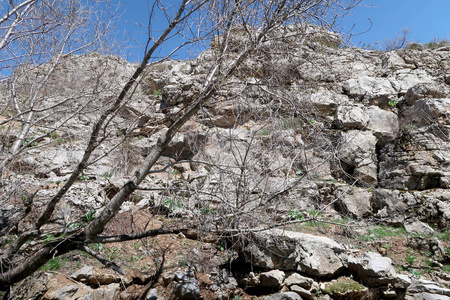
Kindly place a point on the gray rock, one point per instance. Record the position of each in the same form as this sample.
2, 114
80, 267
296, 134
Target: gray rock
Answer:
152, 295
352, 117
272, 279
428, 296
403, 80
426, 286
355, 202
358, 157
304, 293
65, 292
283, 296
286, 250
370, 88
185, 287
394, 62
382, 123
426, 112
372, 268
419, 228
426, 90
299, 280
107, 292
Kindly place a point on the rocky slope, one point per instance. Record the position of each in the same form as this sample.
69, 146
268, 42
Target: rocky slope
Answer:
348, 148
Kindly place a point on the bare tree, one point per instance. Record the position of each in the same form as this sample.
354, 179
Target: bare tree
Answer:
399, 41
241, 29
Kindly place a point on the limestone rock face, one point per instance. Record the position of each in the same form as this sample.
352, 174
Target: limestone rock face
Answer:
358, 157
363, 134
382, 123
418, 160
278, 249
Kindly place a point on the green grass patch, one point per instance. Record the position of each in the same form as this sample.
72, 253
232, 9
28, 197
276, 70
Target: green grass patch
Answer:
444, 235
53, 264
381, 232
446, 268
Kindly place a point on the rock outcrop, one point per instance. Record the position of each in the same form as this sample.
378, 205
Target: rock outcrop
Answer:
332, 134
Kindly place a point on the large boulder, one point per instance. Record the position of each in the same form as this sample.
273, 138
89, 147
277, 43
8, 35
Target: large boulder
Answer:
287, 250
283, 296
272, 279
372, 268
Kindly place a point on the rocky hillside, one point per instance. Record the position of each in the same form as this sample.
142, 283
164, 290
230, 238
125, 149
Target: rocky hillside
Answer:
328, 166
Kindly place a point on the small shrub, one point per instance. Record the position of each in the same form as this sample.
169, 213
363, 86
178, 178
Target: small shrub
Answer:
89, 216
437, 43
410, 257
414, 273
172, 204
342, 285
107, 175
295, 214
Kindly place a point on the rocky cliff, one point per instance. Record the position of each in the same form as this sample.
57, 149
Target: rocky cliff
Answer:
347, 148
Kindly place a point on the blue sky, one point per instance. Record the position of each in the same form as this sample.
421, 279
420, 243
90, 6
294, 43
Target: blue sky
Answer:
425, 19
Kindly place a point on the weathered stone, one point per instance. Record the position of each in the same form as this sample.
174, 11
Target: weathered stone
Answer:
299, 280
419, 228
394, 62
61, 288
372, 268
426, 90
283, 296
304, 293
107, 292
355, 202
370, 88
352, 117
95, 276
286, 250
426, 286
152, 295
326, 101
358, 157
428, 296
185, 286
382, 123
403, 80
272, 279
